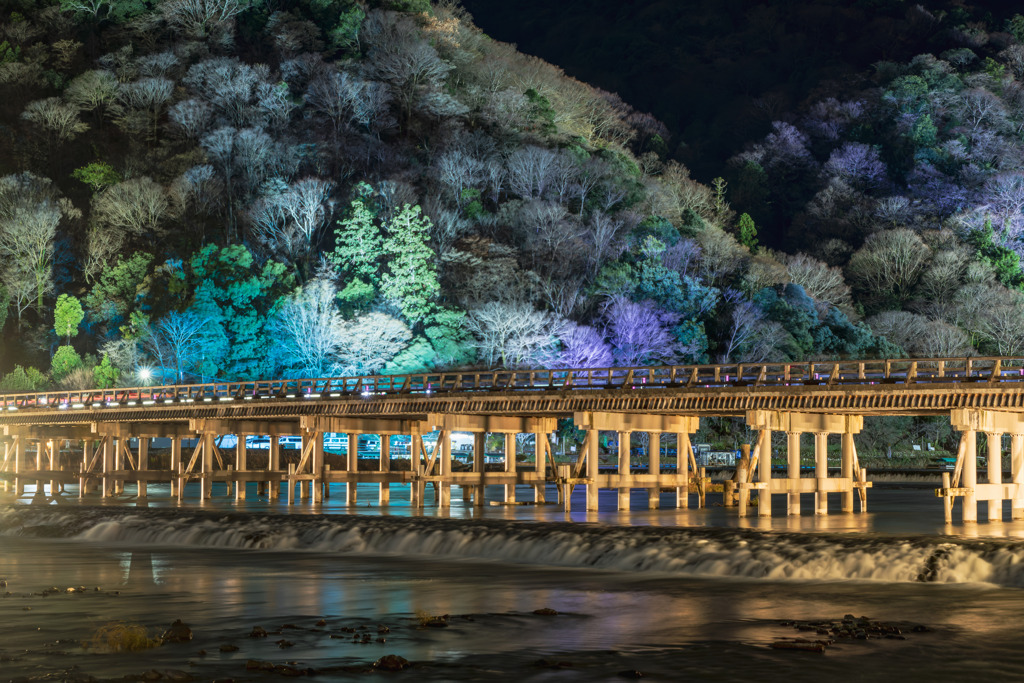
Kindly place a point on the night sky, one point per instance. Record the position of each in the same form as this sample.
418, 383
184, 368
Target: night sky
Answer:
717, 72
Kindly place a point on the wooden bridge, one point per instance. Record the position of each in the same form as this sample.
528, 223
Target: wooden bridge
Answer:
828, 399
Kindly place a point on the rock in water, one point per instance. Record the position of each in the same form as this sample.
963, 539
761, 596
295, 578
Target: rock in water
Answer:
179, 632
391, 663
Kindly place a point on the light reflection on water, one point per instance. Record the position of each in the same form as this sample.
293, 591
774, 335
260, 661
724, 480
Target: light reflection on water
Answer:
718, 627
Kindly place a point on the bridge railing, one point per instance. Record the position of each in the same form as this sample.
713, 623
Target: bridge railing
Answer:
737, 375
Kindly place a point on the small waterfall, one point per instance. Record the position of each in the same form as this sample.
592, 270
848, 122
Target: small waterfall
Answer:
689, 552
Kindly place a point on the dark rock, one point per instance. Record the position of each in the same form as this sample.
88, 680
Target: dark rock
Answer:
228, 647
179, 632
201, 653
322, 622
285, 644
151, 675
257, 665
630, 673
391, 663
286, 670
289, 626
546, 612
381, 640
178, 676
381, 628
258, 632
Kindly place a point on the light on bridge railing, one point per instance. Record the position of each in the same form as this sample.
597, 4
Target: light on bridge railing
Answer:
148, 403
168, 400
227, 398
312, 395
132, 403
12, 407
96, 405
78, 405
335, 395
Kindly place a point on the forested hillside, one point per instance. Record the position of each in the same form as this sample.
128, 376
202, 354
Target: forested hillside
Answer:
226, 189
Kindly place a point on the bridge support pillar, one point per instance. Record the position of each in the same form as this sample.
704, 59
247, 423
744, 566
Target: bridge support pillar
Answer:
141, 485
479, 466
241, 466
274, 465
175, 465
108, 466
793, 471
317, 483
793, 485
624, 469
207, 466
1017, 474
764, 472
510, 466
821, 473
684, 457
591, 446
352, 467
964, 482
654, 467
384, 495
416, 487
444, 486
995, 473
540, 460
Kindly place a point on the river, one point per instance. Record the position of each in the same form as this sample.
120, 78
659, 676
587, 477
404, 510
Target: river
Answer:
519, 593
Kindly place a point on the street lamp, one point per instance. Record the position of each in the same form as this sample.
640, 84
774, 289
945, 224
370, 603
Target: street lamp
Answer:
145, 374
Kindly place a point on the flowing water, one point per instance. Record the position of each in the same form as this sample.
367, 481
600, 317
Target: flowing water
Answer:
671, 594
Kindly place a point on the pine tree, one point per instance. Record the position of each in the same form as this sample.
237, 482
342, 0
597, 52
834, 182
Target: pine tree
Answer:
411, 280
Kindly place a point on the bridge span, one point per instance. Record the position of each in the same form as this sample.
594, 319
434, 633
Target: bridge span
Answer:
831, 400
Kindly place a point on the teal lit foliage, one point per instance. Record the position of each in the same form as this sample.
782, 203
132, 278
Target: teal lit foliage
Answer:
64, 362
641, 275
105, 375
809, 334
1005, 262
97, 175
22, 380
117, 294
236, 296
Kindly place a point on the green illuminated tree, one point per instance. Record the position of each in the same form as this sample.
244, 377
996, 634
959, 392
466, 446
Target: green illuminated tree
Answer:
411, 280
67, 316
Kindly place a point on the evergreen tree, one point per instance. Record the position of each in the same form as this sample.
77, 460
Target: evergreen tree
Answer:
411, 280
67, 316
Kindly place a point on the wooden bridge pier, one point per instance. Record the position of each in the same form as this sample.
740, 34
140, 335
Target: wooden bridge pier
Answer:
964, 481
624, 480
822, 425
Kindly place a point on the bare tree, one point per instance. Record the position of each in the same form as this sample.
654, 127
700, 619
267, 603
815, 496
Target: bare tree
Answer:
512, 333
530, 171
133, 207
745, 321
639, 332
92, 90
30, 211
821, 282
175, 341
198, 17
291, 219
308, 330
889, 261
56, 118
371, 341
192, 117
